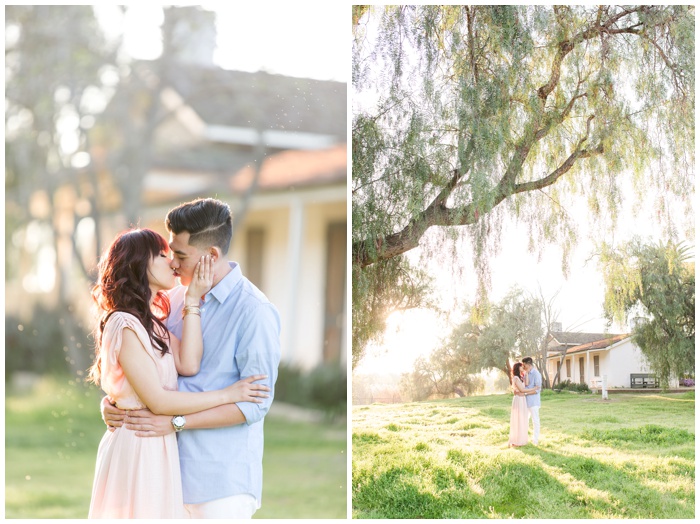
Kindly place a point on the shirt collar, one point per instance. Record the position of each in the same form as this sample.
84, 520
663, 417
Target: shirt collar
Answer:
222, 290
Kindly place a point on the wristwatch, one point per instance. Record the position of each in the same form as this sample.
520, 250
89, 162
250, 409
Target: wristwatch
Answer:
178, 422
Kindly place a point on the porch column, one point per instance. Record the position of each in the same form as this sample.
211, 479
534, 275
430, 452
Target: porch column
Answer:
296, 225
588, 377
562, 367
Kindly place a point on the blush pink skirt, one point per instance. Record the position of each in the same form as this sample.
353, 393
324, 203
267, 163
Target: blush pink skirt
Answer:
518, 422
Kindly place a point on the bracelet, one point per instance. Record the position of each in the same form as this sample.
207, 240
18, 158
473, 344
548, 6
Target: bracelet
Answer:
191, 309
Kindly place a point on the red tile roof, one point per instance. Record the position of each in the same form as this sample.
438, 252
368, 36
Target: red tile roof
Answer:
599, 344
296, 168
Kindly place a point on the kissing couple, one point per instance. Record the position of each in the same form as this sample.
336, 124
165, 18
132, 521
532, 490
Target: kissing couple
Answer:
526, 382
189, 372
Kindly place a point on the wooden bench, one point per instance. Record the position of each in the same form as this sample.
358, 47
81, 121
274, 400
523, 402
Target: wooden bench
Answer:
643, 380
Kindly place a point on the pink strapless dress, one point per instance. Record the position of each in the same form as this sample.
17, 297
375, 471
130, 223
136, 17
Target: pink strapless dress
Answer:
518, 421
135, 477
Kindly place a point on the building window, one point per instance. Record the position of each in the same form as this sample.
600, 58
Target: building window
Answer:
255, 243
582, 375
596, 366
336, 257
568, 368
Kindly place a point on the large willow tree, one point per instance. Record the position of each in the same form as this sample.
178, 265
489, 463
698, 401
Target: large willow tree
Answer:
467, 115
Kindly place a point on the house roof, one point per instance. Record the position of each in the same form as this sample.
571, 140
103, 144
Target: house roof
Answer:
560, 341
215, 119
569, 338
262, 100
290, 169
598, 344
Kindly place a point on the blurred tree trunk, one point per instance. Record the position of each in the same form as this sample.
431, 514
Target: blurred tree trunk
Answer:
54, 56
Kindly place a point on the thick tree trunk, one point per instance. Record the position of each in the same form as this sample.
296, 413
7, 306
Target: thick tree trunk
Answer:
371, 250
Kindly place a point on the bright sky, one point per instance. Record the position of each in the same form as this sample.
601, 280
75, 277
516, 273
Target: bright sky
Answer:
287, 38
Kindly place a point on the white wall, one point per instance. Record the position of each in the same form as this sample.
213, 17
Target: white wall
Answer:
625, 358
295, 285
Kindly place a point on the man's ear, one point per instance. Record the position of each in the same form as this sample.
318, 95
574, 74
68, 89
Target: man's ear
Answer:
215, 253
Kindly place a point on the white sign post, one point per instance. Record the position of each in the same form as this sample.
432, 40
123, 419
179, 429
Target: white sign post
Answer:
605, 387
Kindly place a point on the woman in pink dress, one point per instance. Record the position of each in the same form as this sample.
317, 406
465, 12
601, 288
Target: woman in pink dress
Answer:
137, 363
518, 410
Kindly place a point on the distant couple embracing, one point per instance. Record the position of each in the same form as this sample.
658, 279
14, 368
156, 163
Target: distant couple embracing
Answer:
527, 383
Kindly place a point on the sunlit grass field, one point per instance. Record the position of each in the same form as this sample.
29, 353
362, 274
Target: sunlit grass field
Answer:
51, 439
632, 456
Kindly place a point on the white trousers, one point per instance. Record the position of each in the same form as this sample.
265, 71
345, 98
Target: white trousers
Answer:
534, 413
235, 507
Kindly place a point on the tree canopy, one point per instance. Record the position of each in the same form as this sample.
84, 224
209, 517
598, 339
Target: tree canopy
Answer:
655, 284
502, 332
465, 115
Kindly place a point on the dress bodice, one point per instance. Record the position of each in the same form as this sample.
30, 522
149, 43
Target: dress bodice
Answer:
113, 381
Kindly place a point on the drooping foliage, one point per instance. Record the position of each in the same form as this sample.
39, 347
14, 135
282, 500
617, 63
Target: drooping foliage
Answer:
654, 284
465, 114
492, 339
440, 376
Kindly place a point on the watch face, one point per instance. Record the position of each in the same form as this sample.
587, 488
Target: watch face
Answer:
179, 422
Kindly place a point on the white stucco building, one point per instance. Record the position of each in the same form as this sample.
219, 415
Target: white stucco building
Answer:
588, 357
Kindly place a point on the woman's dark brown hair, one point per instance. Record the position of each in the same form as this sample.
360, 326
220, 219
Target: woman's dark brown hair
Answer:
516, 369
122, 285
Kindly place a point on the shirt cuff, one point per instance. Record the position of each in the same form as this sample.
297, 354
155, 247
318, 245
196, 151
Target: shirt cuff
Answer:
253, 412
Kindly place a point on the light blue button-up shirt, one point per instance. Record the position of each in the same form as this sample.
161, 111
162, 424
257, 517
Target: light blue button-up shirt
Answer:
241, 331
534, 380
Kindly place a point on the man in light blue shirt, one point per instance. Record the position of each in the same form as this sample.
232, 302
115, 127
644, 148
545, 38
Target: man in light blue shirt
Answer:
221, 449
533, 399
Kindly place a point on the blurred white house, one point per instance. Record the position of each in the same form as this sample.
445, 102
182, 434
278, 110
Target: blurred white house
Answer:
274, 148
585, 358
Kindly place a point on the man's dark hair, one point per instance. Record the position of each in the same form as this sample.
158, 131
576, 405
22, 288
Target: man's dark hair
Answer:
527, 360
207, 220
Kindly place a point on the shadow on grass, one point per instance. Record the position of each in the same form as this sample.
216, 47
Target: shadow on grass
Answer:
648, 434
522, 490
527, 483
507, 488
626, 495
400, 493
530, 482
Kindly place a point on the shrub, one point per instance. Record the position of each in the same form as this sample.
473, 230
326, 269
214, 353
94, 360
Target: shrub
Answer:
38, 345
324, 388
561, 385
328, 386
290, 385
571, 386
582, 388
687, 382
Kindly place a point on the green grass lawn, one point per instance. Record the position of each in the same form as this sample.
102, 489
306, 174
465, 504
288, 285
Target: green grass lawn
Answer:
632, 456
51, 439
